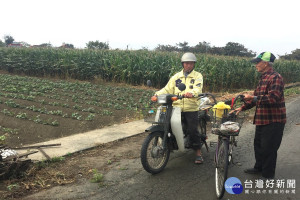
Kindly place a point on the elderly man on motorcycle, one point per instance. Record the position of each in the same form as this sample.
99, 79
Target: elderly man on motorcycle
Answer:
190, 104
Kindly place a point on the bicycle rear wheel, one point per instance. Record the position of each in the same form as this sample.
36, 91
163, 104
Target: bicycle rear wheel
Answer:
221, 167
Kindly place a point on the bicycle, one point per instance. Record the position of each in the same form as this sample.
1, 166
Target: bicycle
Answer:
227, 127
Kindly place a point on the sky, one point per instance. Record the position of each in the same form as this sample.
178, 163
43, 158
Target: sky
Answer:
260, 25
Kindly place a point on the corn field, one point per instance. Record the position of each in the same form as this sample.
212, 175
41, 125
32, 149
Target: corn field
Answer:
136, 67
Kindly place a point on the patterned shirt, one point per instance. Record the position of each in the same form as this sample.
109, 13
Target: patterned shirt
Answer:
270, 104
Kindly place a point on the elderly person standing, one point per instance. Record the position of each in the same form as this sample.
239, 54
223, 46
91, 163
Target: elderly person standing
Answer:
269, 118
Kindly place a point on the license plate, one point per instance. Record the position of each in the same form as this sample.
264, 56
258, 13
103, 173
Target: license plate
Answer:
163, 109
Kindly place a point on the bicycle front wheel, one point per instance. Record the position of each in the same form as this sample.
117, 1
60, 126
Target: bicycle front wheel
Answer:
221, 167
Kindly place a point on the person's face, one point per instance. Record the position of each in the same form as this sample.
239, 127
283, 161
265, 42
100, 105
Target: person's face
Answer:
261, 66
188, 66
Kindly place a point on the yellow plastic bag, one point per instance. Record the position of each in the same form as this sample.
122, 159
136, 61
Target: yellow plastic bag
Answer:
220, 108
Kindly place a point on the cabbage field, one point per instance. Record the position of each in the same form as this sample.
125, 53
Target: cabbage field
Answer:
34, 109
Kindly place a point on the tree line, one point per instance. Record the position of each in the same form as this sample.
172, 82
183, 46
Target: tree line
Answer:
295, 55
230, 49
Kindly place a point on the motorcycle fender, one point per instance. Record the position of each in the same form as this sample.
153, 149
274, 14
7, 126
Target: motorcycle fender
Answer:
155, 128
177, 128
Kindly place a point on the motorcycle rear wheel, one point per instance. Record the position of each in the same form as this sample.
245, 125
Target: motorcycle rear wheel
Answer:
154, 157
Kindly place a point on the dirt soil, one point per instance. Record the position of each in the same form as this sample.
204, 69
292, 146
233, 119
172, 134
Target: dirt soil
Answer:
19, 131
76, 167
73, 168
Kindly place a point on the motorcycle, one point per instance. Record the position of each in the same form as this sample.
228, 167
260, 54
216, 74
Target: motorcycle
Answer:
169, 132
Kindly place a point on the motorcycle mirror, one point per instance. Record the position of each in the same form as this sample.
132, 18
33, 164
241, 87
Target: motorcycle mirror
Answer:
181, 86
149, 83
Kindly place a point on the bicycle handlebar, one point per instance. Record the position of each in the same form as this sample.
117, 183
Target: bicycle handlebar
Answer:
208, 94
239, 96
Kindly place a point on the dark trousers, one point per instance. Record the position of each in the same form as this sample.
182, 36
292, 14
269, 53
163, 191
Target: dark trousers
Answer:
192, 121
266, 143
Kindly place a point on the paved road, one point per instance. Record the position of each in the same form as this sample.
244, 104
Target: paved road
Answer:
182, 179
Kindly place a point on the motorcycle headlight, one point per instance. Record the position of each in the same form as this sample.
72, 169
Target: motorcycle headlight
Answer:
162, 99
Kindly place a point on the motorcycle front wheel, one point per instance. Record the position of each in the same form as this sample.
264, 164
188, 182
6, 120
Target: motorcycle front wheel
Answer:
154, 157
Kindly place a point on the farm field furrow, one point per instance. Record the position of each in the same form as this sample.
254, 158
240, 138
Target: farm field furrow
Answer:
36, 110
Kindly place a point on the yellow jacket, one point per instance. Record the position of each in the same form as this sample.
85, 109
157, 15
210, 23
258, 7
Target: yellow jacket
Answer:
194, 84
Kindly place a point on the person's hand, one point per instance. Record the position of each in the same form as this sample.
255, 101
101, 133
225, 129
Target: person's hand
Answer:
248, 97
237, 110
188, 95
154, 98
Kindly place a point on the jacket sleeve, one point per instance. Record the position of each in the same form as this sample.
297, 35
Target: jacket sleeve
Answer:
247, 106
198, 85
274, 94
168, 89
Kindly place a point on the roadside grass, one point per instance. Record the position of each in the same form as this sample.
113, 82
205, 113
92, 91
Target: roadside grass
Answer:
292, 91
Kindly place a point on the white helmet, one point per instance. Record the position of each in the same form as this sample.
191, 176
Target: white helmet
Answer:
188, 57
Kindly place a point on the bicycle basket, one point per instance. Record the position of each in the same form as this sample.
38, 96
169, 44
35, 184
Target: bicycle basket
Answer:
228, 125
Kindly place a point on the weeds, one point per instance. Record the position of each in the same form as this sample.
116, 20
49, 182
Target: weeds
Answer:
97, 176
